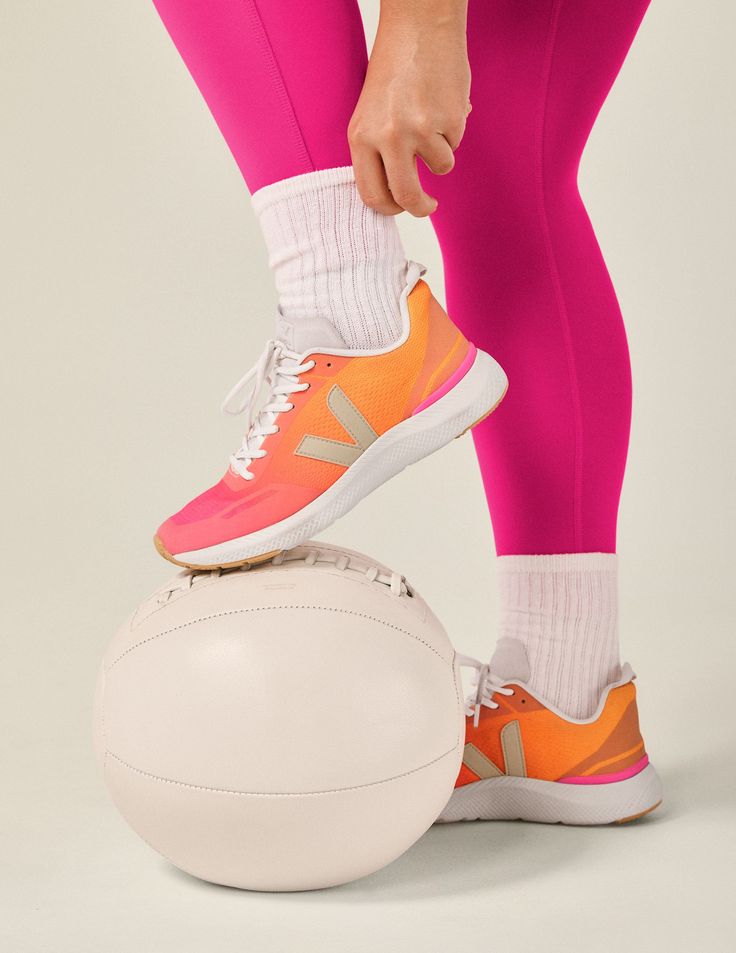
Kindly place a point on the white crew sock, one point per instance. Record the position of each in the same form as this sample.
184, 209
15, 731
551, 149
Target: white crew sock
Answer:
563, 609
334, 259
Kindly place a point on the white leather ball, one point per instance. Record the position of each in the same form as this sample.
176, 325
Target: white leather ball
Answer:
293, 726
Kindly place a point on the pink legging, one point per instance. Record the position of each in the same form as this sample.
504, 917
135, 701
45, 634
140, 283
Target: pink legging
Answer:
525, 277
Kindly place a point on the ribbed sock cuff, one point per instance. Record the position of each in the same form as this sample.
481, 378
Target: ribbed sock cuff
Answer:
563, 609
334, 259
299, 184
559, 562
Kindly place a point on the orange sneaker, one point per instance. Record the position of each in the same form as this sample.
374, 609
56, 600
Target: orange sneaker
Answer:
525, 760
337, 424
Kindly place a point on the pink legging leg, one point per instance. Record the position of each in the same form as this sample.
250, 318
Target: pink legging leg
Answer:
525, 277
281, 78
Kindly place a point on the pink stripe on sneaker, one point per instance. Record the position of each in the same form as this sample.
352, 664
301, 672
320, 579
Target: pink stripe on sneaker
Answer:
453, 379
609, 778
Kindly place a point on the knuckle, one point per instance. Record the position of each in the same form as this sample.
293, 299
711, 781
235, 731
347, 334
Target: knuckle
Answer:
407, 197
423, 126
391, 133
372, 199
357, 135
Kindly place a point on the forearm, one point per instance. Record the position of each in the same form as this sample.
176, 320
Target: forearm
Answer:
426, 14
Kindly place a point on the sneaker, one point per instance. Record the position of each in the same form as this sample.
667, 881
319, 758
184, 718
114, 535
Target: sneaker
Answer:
525, 760
337, 423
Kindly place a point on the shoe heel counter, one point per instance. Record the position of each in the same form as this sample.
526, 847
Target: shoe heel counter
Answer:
628, 729
624, 744
448, 354
620, 754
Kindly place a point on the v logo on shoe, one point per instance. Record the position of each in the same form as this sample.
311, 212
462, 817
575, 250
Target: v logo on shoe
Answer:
335, 451
513, 756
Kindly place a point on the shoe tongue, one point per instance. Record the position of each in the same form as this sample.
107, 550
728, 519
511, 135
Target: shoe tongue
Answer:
308, 334
510, 662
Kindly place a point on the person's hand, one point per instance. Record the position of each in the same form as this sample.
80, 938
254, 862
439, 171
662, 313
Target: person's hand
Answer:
414, 103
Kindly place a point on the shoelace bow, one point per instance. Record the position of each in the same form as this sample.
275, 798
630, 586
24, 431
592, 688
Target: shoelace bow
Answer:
278, 368
484, 686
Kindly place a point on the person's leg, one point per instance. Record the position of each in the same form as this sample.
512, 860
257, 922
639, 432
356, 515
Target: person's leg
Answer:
526, 280
281, 79
365, 373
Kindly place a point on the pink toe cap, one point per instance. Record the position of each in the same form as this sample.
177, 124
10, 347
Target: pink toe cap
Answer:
223, 513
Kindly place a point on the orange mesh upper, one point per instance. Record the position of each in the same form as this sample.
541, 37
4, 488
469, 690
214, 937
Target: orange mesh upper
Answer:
384, 387
555, 748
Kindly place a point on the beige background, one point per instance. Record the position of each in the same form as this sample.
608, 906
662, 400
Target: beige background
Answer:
134, 291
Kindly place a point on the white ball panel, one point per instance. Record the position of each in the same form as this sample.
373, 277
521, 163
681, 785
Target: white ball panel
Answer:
281, 700
291, 727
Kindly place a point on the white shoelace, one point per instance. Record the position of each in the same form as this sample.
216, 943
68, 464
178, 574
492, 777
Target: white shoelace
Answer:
183, 582
307, 556
484, 686
342, 561
278, 368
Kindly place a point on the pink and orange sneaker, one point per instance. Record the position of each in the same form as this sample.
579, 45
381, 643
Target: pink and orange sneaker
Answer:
525, 760
337, 424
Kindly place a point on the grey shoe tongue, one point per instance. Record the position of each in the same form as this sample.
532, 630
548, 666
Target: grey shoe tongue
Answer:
510, 662
308, 334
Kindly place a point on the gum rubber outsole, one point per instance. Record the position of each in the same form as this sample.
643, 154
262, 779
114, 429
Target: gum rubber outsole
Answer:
483, 416
635, 817
238, 564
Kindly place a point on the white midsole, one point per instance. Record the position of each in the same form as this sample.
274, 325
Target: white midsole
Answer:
551, 802
473, 396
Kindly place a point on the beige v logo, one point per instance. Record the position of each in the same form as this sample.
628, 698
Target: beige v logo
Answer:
335, 451
513, 756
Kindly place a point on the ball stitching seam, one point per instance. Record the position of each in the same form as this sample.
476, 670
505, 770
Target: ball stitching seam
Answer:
218, 615
202, 787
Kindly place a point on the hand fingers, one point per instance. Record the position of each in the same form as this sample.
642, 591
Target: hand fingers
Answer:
370, 177
438, 155
454, 133
403, 181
